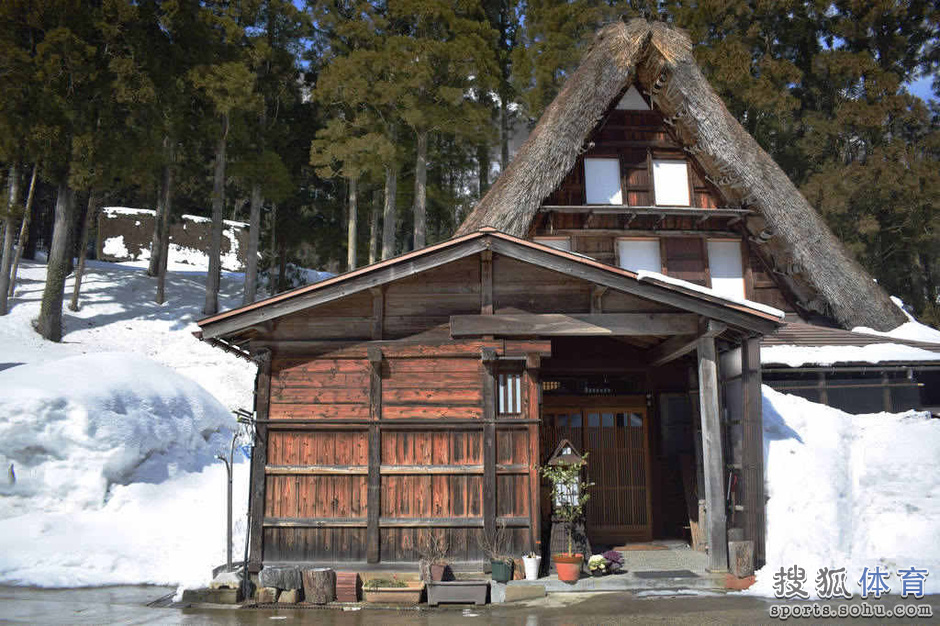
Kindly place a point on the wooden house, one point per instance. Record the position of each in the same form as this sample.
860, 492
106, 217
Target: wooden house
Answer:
612, 289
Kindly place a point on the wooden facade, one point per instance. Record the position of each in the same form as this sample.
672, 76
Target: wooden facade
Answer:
422, 394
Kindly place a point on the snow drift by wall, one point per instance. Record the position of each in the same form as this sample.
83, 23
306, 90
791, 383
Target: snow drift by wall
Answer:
113, 475
849, 491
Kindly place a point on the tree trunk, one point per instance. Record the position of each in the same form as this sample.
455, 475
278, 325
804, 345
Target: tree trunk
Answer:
352, 233
24, 230
319, 585
483, 167
162, 216
49, 324
281, 269
166, 204
8, 225
374, 229
90, 213
388, 215
503, 133
214, 276
254, 238
421, 190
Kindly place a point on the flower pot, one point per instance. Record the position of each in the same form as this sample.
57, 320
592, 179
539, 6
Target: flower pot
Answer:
568, 567
463, 591
437, 572
532, 564
410, 595
502, 570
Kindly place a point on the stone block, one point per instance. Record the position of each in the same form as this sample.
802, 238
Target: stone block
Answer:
281, 577
497, 592
222, 596
290, 596
741, 558
266, 595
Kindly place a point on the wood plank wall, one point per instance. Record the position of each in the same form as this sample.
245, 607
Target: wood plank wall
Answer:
431, 461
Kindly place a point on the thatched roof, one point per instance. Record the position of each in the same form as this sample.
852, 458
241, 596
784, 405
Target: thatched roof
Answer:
815, 265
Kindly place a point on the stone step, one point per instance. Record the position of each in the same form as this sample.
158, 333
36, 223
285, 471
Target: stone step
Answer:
629, 581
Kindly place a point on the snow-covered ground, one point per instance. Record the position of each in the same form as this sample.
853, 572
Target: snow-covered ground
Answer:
108, 439
850, 491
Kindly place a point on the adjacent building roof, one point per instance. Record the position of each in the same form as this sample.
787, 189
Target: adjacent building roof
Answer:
811, 260
797, 345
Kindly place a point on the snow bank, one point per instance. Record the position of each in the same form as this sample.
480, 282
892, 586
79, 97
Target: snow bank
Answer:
849, 491
111, 473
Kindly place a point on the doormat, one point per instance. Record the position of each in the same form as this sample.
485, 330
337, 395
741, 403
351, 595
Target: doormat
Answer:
674, 573
637, 547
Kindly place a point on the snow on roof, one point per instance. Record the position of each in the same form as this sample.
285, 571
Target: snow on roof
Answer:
798, 356
757, 306
911, 330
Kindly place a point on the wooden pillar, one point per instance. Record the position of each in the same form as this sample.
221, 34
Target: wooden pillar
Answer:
533, 414
259, 456
488, 356
374, 493
716, 525
752, 473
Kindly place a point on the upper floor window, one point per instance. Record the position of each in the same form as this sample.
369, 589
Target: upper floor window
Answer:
671, 182
639, 254
602, 181
726, 267
560, 243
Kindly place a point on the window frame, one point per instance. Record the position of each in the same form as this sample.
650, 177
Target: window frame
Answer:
690, 193
615, 159
659, 252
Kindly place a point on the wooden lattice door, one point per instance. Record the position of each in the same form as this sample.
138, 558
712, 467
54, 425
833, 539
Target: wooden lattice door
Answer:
615, 436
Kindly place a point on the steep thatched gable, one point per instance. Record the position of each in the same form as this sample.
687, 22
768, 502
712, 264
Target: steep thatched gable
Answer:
810, 261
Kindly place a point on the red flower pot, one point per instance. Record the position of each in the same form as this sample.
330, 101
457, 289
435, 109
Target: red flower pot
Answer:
568, 567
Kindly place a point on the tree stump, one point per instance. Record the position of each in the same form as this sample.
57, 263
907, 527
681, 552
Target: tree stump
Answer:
319, 585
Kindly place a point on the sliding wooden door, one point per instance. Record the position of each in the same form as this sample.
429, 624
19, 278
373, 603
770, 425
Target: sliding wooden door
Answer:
615, 434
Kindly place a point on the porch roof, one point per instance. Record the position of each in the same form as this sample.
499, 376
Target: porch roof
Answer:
749, 316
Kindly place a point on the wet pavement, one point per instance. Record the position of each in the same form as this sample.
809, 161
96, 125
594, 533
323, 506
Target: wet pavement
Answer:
128, 605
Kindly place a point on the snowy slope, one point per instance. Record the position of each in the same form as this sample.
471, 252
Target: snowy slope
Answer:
118, 315
112, 435
849, 491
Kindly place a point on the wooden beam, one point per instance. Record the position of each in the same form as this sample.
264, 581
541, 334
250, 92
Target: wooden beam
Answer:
316, 470
378, 312
755, 527
488, 356
713, 457
533, 412
259, 455
374, 488
486, 282
560, 325
597, 298
681, 345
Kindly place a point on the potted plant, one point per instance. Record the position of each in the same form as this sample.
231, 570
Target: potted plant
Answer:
532, 562
494, 546
614, 561
392, 591
597, 565
570, 496
433, 550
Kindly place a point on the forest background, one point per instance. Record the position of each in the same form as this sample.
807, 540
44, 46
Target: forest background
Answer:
346, 132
